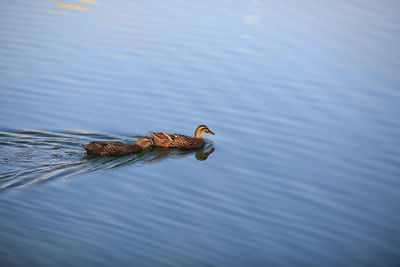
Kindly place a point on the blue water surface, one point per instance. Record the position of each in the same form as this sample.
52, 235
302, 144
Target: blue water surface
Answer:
303, 97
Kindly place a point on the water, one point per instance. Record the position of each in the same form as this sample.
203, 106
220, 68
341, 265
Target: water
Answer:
303, 97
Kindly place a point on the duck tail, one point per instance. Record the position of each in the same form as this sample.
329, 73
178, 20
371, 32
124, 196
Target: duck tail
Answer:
86, 147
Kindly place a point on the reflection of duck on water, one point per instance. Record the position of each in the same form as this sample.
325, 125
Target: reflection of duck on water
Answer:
149, 156
204, 153
164, 153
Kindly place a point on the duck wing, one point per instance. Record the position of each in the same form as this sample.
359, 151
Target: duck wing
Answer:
166, 136
165, 139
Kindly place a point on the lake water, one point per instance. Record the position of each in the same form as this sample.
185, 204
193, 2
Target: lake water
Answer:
304, 99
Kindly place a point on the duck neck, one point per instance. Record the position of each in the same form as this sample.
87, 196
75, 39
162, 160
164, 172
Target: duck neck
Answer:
198, 134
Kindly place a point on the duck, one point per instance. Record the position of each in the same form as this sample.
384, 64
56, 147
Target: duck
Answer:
115, 148
168, 140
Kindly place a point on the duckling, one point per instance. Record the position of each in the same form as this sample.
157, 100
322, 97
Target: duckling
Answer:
115, 148
181, 141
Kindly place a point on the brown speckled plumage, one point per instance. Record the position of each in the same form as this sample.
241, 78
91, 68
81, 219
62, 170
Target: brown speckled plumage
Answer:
181, 141
115, 148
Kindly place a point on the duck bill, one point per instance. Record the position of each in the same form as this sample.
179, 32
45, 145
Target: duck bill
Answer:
211, 132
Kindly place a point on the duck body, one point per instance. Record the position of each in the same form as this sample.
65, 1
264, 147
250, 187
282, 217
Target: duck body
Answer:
176, 140
111, 148
115, 148
181, 141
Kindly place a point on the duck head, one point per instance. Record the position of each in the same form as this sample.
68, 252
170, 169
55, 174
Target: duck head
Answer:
202, 129
144, 142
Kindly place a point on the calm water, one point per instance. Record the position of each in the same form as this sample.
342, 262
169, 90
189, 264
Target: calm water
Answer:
303, 97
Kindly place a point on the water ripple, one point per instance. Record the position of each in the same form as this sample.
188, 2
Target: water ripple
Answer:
29, 157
